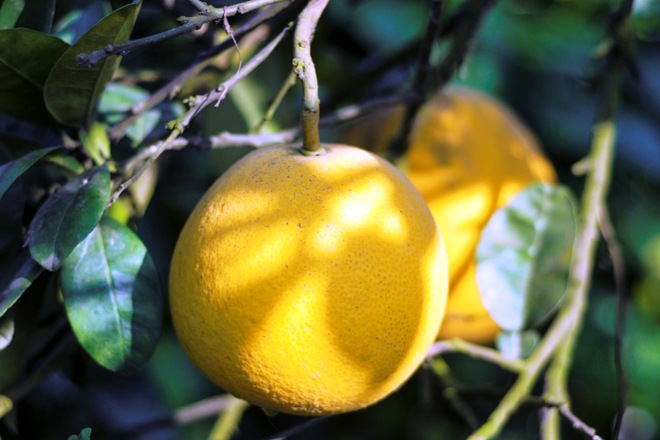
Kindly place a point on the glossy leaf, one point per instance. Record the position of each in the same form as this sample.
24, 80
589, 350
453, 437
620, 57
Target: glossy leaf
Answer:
524, 254
21, 275
68, 216
112, 297
10, 10
10, 171
72, 90
26, 59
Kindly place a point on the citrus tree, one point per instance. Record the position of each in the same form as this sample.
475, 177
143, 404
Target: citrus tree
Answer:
483, 265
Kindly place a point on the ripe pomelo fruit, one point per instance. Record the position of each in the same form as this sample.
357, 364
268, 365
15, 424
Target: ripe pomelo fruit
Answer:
309, 283
468, 155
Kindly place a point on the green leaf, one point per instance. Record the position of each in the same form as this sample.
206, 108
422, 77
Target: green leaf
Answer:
10, 10
26, 59
112, 297
38, 15
524, 255
9, 172
68, 216
21, 275
646, 19
72, 90
85, 434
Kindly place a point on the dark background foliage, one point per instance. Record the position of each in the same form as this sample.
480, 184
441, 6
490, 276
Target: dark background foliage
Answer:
540, 57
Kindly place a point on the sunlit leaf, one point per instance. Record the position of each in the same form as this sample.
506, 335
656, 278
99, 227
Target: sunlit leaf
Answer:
10, 10
26, 59
17, 279
524, 255
72, 90
68, 216
112, 297
10, 171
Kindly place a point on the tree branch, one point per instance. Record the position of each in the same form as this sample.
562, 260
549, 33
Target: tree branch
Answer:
135, 169
188, 25
420, 85
476, 351
173, 86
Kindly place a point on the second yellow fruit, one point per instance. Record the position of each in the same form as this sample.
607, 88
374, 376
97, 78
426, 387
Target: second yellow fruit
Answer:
468, 155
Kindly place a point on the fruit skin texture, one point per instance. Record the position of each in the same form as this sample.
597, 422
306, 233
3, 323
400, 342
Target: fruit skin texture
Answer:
468, 155
309, 284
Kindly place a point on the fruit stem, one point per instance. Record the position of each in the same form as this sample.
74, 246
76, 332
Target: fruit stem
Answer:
303, 67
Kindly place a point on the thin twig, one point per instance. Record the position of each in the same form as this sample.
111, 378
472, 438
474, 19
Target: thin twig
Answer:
565, 411
355, 111
451, 393
174, 85
229, 419
196, 411
190, 24
197, 104
289, 82
420, 85
476, 351
462, 40
303, 67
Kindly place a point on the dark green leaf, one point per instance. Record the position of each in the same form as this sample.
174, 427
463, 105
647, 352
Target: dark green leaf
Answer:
73, 90
23, 272
10, 10
26, 59
38, 15
68, 216
112, 297
517, 345
524, 255
9, 172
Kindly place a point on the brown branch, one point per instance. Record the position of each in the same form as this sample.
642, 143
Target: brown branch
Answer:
190, 24
420, 85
